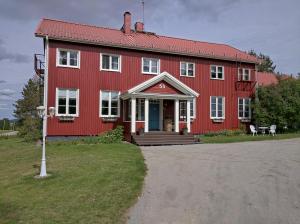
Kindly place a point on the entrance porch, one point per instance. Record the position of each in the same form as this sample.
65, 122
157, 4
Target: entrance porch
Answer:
162, 103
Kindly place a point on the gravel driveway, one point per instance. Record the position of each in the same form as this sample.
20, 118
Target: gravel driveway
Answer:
242, 183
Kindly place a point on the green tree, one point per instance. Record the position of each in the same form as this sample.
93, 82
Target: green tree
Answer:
29, 122
5, 124
266, 65
278, 104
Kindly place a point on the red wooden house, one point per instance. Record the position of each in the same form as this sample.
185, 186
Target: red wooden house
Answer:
98, 78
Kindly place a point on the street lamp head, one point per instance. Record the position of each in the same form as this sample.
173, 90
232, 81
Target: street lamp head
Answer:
40, 110
51, 111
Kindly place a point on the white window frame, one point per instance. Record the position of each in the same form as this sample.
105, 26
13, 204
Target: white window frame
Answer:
217, 66
110, 62
244, 105
68, 58
109, 104
223, 107
194, 108
150, 66
243, 74
186, 68
67, 103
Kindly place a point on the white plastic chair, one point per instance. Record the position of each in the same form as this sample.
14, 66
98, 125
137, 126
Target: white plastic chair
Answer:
253, 130
272, 130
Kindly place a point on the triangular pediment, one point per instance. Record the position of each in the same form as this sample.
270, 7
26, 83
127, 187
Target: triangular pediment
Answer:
163, 83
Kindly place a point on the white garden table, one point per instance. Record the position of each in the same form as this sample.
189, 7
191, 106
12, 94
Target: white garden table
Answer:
263, 129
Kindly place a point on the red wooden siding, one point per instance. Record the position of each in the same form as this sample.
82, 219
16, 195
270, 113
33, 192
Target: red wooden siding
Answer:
90, 80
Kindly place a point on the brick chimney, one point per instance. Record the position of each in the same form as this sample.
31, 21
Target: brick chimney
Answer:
127, 23
139, 27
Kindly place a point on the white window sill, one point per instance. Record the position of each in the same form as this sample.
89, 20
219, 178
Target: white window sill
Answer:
109, 70
187, 76
217, 79
149, 73
67, 66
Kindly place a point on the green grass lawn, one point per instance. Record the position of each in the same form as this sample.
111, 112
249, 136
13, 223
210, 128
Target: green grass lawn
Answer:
244, 138
88, 183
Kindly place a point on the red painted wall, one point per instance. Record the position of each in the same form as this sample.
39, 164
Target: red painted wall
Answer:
90, 80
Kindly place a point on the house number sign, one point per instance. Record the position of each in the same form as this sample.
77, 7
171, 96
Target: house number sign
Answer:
162, 86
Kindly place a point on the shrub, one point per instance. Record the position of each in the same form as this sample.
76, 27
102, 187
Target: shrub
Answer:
112, 136
225, 132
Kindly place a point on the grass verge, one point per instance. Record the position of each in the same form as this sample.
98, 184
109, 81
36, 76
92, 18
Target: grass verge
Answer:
88, 183
245, 138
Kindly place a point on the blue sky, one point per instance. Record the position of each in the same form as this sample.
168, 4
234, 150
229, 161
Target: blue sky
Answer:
270, 27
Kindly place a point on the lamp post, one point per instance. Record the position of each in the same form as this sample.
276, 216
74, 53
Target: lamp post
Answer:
42, 112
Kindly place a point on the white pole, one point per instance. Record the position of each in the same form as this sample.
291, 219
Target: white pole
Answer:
188, 115
133, 114
146, 115
176, 115
43, 172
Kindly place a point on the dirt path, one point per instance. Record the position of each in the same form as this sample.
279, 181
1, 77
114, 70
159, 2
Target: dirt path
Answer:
249, 183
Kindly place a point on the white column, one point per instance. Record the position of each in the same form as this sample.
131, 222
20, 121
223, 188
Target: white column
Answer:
176, 116
188, 115
133, 112
146, 115
161, 111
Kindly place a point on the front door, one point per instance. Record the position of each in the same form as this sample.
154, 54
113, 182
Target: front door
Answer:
153, 116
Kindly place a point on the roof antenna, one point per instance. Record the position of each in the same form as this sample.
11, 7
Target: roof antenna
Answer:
143, 8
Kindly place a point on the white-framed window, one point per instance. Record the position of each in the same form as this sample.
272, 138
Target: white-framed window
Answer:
217, 72
244, 74
217, 107
187, 69
150, 66
67, 58
183, 109
244, 108
140, 110
110, 62
109, 103
67, 102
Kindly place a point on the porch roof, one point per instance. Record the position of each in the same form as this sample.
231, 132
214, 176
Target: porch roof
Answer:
137, 91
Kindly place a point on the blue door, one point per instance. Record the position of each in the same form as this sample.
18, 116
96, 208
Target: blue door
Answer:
153, 116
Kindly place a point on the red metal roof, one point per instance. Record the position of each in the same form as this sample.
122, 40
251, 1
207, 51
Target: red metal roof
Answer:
266, 78
66, 31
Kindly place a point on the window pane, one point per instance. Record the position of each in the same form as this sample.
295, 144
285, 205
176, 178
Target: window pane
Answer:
63, 57
114, 103
213, 113
220, 100
62, 101
72, 110
154, 66
190, 69
61, 109
72, 93
104, 111
73, 58
115, 62
105, 95
114, 95
114, 111
62, 93
213, 72
183, 68
213, 100
192, 108
105, 103
220, 113
220, 72
146, 65
105, 61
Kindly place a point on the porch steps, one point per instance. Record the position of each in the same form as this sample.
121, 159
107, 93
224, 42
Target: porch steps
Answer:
163, 138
